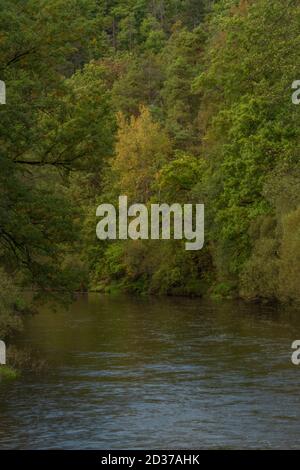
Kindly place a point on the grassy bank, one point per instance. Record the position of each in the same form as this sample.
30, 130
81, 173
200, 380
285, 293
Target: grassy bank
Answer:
8, 373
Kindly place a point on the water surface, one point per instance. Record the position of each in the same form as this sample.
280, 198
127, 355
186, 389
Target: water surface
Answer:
134, 373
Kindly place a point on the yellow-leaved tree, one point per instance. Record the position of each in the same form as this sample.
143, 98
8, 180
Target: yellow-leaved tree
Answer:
142, 149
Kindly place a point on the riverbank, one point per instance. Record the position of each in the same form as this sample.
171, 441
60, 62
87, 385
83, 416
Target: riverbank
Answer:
8, 373
22, 360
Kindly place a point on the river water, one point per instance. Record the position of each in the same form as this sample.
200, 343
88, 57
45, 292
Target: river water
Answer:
167, 373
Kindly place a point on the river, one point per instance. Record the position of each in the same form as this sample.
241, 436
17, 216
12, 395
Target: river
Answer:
156, 373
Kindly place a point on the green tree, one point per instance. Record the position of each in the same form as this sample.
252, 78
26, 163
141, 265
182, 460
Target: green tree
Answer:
249, 125
51, 125
181, 58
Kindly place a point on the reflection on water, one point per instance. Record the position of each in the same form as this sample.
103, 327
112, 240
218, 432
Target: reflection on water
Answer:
129, 373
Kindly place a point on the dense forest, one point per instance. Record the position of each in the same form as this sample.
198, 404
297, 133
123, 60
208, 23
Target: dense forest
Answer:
163, 101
